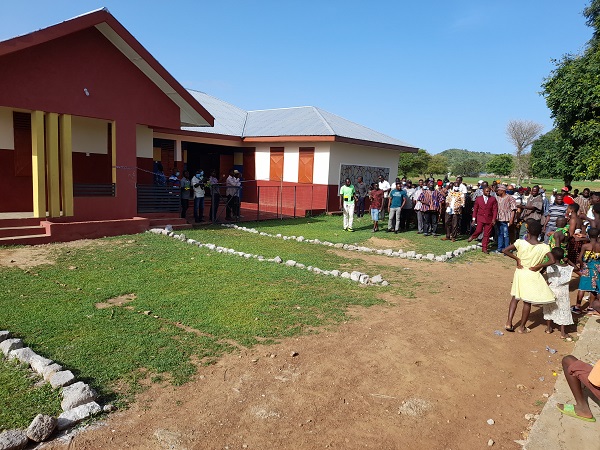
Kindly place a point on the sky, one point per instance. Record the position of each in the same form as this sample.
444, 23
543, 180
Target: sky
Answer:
434, 74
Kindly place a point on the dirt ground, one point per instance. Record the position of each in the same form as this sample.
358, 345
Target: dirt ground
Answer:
422, 373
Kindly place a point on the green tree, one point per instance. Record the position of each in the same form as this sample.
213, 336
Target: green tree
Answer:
413, 163
572, 93
438, 164
502, 165
468, 167
553, 156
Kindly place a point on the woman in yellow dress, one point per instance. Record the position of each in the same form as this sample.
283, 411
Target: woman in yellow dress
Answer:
528, 283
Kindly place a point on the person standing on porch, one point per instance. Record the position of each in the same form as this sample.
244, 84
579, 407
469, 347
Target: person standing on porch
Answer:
233, 191
198, 185
215, 195
347, 198
186, 193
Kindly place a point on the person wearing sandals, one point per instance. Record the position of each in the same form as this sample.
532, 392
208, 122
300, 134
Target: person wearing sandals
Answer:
528, 283
559, 276
589, 265
577, 373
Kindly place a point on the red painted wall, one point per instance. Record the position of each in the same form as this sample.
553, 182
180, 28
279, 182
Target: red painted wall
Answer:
17, 192
52, 77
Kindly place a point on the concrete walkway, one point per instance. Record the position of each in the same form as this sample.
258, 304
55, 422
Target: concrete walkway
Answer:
554, 430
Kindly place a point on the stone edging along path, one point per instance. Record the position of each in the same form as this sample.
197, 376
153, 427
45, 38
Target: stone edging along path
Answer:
387, 252
78, 403
355, 276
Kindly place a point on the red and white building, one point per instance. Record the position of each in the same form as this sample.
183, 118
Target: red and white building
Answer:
86, 110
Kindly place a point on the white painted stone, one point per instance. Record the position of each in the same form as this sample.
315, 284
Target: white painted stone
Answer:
345, 275
49, 370
290, 263
77, 394
411, 253
384, 283
4, 335
377, 279
430, 256
9, 345
41, 428
335, 273
73, 416
300, 266
13, 440
355, 276
62, 378
23, 355
278, 260
364, 279
38, 363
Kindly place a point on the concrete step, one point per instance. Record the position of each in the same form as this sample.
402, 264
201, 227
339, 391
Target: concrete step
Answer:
22, 231
35, 239
24, 222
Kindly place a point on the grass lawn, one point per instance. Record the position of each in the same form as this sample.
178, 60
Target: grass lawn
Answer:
228, 300
205, 303
21, 399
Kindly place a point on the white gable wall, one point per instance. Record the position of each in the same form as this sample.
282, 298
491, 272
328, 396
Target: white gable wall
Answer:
90, 135
291, 157
7, 134
363, 156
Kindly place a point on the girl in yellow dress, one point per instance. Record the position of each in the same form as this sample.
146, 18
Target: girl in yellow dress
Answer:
528, 283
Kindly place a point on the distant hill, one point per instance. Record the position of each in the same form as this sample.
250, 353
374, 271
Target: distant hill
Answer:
465, 162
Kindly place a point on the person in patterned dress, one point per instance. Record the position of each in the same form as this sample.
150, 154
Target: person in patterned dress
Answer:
558, 276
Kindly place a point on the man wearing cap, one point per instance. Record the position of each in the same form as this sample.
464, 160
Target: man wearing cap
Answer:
506, 216
567, 199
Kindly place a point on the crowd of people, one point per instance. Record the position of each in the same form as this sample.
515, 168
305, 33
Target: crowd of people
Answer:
549, 237
197, 187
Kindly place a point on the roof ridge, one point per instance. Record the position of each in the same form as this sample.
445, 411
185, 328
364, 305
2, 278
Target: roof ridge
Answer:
324, 120
360, 125
216, 98
279, 109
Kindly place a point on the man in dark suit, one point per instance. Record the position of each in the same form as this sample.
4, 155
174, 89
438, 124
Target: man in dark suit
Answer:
485, 213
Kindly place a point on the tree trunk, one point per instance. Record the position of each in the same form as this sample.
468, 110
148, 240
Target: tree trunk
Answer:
567, 179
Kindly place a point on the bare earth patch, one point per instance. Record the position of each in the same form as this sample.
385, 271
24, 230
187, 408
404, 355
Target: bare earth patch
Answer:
422, 373
117, 301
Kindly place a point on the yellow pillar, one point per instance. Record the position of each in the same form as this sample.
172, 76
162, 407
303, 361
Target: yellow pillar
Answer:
38, 163
113, 147
52, 165
66, 164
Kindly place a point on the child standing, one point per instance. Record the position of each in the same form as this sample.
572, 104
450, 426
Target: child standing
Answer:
559, 276
528, 283
589, 264
376, 197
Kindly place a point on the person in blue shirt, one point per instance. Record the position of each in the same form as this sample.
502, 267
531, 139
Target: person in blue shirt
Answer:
397, 201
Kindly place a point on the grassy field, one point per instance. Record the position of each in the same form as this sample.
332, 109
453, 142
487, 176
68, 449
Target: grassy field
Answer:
190, 305
547, 183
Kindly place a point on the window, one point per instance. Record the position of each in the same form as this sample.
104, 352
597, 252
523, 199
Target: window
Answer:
276, 172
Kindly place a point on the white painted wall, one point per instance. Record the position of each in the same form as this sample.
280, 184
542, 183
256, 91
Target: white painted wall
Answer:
291, 159
143, 142
7, 133
361, 155
263, 161
291, 163
322, 157
90, 135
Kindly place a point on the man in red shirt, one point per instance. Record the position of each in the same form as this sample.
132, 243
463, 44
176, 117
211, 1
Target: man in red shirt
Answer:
567, 199
376, 197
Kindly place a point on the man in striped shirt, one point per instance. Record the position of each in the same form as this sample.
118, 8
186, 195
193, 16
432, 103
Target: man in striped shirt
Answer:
430, 204
556, 210
507, 207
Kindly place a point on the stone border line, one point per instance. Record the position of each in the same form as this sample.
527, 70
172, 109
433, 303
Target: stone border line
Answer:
355, 276
78, 401
387, 252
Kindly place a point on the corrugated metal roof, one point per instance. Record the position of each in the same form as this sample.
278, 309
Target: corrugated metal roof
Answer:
297, 121
229, 119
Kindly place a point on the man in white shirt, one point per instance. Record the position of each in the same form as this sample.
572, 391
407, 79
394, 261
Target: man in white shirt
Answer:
198, 186
233, 184
417, 206
386, 188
